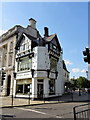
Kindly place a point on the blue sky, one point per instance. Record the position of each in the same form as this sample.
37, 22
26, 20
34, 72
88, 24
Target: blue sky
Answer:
69, 20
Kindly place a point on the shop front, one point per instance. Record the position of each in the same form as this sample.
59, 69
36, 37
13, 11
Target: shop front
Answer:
24, 86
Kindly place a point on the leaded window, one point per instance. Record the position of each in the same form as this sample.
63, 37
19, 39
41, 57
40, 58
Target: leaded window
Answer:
24, 64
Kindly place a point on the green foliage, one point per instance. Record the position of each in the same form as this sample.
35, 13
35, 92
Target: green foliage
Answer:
80, 82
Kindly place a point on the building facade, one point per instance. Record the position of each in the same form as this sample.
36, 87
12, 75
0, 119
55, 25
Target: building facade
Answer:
7, 57
65, 73
33, 64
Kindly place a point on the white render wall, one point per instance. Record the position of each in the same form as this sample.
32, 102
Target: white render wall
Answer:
41, 61
59, 80
34, 88
41, 58
46, 87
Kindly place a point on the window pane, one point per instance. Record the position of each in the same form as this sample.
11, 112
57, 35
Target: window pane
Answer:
25, 64
19, 89
52, 87
27, 89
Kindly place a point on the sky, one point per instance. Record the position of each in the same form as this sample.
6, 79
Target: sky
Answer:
69, 20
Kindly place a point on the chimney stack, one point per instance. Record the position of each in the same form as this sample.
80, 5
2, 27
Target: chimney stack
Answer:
46, 34
32, 23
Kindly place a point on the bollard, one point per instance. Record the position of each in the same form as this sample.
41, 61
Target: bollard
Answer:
29, 99
44, 97
12, 100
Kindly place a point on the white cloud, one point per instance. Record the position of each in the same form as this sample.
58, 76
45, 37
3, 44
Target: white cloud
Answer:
78, 70
83, 71
67, 62
75, 70
2, 32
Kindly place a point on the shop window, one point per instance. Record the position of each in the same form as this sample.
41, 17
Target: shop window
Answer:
19, 89
28, 88
52, 87
24, 89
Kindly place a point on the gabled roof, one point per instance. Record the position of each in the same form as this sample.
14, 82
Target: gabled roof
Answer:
39, 41
64, 66
52, 37
21, 38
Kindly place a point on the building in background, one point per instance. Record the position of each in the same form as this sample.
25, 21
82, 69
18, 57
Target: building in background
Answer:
65, 73
33, 64
66, 78
7, 58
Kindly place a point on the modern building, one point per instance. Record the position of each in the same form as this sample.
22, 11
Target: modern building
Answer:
33, 64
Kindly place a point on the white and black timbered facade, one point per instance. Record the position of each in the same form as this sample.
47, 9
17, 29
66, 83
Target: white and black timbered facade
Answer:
38, 65
31, 64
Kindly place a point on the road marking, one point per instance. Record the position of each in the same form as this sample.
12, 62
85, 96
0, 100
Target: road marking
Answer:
32, 110
38, 112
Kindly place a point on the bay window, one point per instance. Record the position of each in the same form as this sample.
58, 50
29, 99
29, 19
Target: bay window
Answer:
24, 64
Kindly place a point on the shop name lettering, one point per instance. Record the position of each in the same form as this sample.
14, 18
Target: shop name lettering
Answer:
23, 75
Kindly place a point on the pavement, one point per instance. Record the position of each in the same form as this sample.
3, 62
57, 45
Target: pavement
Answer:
61, 107
7, 101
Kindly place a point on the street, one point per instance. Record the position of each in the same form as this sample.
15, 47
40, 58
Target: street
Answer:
58, 110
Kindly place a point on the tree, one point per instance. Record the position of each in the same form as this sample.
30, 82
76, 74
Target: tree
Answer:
74, 84
82, 82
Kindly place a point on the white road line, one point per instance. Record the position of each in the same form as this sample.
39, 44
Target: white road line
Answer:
32, 110
37, 112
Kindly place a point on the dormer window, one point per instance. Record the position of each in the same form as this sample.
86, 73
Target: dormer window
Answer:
25, 46
53, 48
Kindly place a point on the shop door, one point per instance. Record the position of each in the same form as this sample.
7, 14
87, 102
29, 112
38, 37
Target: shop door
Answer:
40, 91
